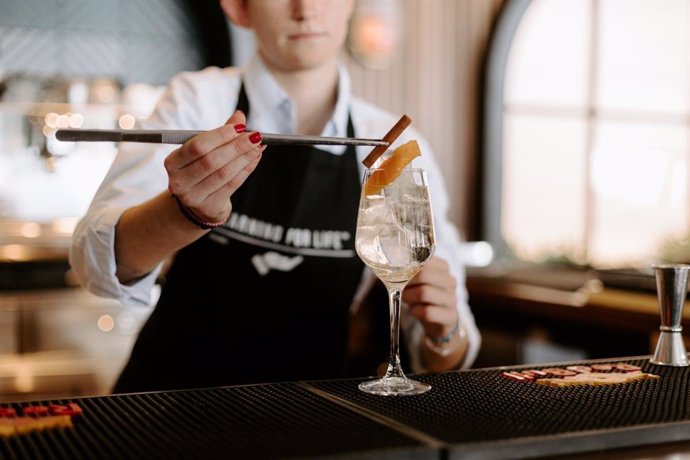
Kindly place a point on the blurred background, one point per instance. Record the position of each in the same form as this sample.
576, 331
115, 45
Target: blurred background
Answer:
562, 127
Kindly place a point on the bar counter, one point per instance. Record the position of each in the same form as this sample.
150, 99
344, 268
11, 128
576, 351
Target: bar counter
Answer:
478, 413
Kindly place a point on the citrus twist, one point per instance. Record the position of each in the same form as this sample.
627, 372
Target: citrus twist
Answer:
391, 167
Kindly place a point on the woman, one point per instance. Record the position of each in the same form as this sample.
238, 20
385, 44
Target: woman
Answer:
264, 284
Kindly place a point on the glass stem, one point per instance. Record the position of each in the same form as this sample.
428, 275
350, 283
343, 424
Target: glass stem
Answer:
394, 301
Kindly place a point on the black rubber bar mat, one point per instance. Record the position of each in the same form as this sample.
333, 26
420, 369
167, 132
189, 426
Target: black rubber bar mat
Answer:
484, 414
248, 422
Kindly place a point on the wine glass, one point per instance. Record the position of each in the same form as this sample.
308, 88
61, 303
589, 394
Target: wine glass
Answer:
395, 237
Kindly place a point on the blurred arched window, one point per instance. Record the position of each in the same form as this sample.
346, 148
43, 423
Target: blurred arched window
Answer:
586, 131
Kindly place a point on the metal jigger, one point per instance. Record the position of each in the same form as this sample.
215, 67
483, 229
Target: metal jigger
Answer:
671, 287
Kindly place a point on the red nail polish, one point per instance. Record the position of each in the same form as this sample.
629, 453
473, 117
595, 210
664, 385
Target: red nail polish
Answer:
255, 138
240, 128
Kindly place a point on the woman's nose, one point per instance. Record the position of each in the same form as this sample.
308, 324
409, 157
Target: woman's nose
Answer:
304, 9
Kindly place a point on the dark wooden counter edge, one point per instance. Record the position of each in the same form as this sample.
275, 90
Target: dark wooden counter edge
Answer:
642, 441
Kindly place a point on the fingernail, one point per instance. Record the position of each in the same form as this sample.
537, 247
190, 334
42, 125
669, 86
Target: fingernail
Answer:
240, 128
255, 138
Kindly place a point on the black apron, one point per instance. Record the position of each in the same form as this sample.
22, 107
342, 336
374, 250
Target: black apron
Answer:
266, 297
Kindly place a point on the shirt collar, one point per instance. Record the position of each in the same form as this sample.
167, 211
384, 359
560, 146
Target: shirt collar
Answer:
268, 98
338, 123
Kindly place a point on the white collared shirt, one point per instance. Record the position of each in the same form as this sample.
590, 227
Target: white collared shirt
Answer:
272, 110
204, 100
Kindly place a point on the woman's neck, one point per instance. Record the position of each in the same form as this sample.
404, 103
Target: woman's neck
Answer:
314, 93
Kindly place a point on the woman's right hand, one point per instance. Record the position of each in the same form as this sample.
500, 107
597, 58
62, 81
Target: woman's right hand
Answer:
205, 171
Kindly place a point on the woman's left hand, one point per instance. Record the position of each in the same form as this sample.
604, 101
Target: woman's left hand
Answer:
432, 298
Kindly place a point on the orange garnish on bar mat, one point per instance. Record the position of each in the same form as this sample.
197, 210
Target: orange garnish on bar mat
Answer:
390, 137
391, 167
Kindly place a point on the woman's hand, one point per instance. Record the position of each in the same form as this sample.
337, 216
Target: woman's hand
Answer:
431, 296
208, 168
202, 175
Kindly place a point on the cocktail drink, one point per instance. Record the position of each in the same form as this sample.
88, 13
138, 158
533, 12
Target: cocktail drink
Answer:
395, 237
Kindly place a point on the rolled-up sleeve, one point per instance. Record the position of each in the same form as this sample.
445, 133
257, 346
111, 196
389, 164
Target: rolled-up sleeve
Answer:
92, 259
136, 175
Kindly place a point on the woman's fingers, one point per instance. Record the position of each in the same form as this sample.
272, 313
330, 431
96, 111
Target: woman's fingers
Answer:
208, 168
238, 117
209, 152
200, 145
437, 321
428, 294
434, 315
436, 272
217, 168
233, 174
432, 298
206, 141
229, 188
434, 284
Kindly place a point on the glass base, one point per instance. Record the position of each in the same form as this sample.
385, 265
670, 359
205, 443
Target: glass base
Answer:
394, 386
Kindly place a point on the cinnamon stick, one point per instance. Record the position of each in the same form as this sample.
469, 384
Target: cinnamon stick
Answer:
390, 137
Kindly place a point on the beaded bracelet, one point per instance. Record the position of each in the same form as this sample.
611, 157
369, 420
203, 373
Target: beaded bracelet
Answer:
196, 220
440, 344
447, 338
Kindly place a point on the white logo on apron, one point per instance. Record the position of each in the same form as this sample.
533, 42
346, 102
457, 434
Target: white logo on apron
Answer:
272, 260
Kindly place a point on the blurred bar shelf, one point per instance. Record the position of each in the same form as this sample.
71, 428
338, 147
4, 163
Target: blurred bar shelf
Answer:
568, 307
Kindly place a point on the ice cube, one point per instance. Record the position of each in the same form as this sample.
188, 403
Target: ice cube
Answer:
367, 243
377, 214
393, 247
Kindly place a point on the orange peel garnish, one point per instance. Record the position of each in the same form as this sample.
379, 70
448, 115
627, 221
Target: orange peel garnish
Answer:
391, 167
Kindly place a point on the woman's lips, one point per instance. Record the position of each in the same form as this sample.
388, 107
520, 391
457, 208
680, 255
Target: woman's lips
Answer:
306, 35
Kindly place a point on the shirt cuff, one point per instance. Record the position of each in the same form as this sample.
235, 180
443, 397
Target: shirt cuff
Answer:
414, 333
93, 260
